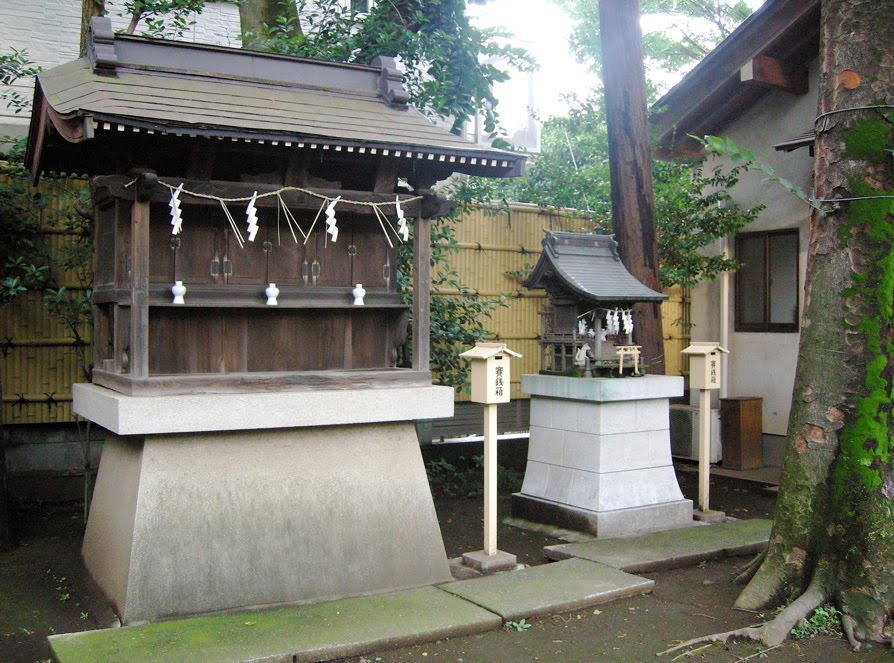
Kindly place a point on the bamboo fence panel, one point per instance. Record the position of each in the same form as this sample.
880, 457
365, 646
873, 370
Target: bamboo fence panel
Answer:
40, 360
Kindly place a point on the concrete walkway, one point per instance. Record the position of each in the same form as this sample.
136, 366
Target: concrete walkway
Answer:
591, 573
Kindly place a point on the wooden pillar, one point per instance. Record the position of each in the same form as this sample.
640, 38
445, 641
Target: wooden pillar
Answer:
139, 289
422, 294
139, 270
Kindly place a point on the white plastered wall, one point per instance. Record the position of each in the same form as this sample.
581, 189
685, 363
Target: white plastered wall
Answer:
763, 364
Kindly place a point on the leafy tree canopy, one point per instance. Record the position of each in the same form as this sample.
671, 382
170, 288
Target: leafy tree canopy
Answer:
677, 34
694, 207
450, 64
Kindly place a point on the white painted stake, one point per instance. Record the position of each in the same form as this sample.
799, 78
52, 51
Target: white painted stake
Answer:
490, 479
704, 447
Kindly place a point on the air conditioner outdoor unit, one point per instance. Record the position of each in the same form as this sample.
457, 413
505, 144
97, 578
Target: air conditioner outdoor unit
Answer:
684, 431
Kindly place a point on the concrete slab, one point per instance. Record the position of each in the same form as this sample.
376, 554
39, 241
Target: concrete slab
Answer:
486, 564
262, 410
549, 589
672, 548
710, 516
308, 633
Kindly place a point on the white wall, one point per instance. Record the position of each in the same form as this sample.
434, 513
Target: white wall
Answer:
763, 364
50, 32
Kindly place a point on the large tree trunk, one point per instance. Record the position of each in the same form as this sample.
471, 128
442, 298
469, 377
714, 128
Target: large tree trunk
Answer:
834, 522
630, 163
253, 14
89, 9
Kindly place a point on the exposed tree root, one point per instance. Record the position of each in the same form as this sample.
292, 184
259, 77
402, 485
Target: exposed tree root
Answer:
748, 571
848, 624
774, 632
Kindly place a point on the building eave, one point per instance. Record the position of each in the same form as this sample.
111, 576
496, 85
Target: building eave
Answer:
732, 78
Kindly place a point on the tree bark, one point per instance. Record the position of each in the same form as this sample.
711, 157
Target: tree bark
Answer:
630, 164
253, 14
835, 503
89, 9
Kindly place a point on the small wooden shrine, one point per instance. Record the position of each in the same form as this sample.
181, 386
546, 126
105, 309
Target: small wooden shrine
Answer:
588, 323
248, 209
599, 456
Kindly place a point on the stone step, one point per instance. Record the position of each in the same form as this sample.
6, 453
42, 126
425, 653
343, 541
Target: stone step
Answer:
671, 548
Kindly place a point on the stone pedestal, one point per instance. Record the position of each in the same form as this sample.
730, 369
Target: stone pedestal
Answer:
289, 500
599, 455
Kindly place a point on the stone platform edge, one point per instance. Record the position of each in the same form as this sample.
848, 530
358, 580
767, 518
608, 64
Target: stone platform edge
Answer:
603, 390
192, 413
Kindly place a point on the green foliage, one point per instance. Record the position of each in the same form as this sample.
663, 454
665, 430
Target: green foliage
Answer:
160, 19
458, 313
744, 159
322, 29
693, 206
13, 66
868, 141
825, 620
695, 209
465, 478
449, 63
865, 442
689, 30
519, 626
32, 263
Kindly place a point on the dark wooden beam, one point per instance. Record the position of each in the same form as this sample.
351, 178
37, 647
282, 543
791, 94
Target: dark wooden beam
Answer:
770, 72
386, 176
201, 159
711, 94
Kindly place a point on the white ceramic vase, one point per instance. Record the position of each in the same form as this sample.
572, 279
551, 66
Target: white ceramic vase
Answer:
178, 290
359, 293
272, 293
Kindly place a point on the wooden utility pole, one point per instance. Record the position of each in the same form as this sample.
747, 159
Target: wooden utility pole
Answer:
630, 165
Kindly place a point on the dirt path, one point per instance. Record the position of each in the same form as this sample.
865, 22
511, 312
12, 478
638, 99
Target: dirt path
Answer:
44, 590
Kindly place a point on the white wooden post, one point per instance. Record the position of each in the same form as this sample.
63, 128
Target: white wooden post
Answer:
491, 380
704, 448
705, 375
490, 479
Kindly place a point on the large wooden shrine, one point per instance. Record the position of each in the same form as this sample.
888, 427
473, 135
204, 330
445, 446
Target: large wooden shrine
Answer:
248, 209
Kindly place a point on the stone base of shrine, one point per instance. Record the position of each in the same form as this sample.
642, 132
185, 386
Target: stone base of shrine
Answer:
599, 456
197, 522
604, 524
